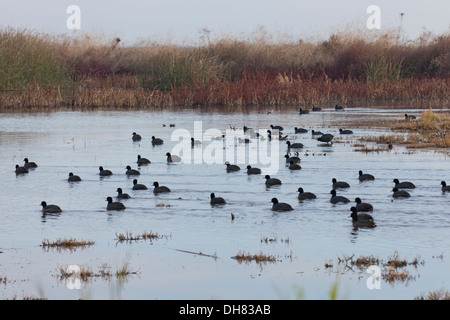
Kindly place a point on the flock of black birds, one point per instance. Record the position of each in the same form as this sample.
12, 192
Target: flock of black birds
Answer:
359, 212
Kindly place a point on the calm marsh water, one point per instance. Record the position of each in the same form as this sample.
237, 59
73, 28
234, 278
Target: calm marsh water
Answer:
303, 240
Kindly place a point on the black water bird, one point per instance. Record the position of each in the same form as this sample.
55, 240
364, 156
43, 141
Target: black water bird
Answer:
365, 176
445, 187
21, 170
50, 208
337, 199
157, 141
300, 130
400, 193
327, 137
136, 137
142, 161
160, 189
345, 131
172, 158
361, 220
28, 164
294, 159
216, 200
339, 184
296, 145
280, 206
73, 178
114, 206
272, 181
294, 166
138, 186
121, 195
305, 195
251, 170
131, 172
363, 206
232, 167
301, 111
103, 172
404, 184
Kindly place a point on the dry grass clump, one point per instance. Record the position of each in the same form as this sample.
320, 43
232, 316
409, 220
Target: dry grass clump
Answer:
86, 273
69, 244
51, 72
394, 269
128, 236
392, 275
268, 240
258, 258
441, 294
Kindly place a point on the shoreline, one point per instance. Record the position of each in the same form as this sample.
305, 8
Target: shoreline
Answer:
238, 96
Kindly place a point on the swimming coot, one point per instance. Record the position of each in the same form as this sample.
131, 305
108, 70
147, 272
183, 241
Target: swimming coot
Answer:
345, 131
404, 184
316, 109
327, 137
361, 220
305, 195
338, 107
232, 167
280, 206
50, 208
294, 159
294, 166
337, 199
142, 161
121, 195
300, 130
297, 145
365, 176
400, 193
21, 170
136, 137
195, 142
160, 189
216, 200
104, 172
363, 206
251, 170
279, 128
339, 184
116, 206
157, 141
29, 164
445, 187
73, 178
301, 111
138, 186
316, 133
131, 172
271, 181
172, 158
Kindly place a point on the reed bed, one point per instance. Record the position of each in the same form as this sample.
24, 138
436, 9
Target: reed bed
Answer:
41, 71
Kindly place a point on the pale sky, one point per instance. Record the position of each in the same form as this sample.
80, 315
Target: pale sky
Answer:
183, 20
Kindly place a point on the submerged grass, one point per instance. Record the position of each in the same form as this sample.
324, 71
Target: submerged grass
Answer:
259, 258
69, 244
